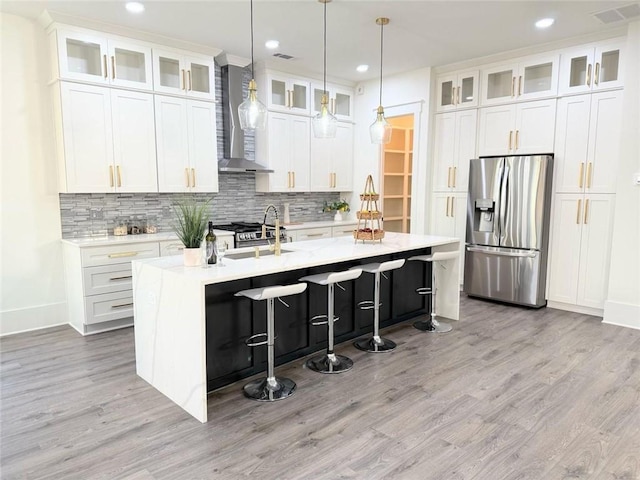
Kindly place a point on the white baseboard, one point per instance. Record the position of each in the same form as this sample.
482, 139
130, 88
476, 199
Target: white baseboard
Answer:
622, 314
571, 307
33, 318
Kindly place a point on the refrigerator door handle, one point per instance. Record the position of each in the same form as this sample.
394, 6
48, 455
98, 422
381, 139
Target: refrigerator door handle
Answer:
503, 202
527, 254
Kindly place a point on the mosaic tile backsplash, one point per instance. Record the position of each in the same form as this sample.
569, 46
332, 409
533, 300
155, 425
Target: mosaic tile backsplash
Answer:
97, 213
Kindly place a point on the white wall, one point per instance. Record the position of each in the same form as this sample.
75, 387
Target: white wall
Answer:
32, 291
623, 301
398, 91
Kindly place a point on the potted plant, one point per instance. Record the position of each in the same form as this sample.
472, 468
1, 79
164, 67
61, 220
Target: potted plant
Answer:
339, 207
190, 226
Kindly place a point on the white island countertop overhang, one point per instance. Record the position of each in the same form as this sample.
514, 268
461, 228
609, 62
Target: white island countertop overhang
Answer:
169, 303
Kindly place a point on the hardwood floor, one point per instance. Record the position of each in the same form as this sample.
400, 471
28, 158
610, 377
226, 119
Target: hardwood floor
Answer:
510, 393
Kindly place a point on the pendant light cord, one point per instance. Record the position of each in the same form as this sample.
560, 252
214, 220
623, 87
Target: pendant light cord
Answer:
252, 75
381, 43
324, 42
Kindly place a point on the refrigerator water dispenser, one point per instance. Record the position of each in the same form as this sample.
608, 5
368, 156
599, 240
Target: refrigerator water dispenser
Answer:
484, 215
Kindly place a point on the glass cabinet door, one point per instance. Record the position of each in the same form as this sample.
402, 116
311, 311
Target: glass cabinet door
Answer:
287, 95
607, 72
446, 92
538, 77
299, 96
279, 95
592, 68
82, 57
130, 65
467, 89
341, 107
200, 78
169, 74
499, 84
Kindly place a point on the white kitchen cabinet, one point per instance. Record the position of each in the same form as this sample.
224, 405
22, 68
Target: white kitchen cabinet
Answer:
457, 90
100, 58
580, 249
98, 281
344, 230
588, 142
527, 79
285, 93
107, 138
455, 145
332, 161
186, 145
340, 100
592, 67
449, 216
284, 146
517, 129
184, 74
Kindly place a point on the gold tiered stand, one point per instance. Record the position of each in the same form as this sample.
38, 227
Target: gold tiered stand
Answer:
368, 214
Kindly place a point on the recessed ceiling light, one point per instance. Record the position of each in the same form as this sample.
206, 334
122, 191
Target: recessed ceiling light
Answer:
134, 7
545, 23
362, 68
272, 44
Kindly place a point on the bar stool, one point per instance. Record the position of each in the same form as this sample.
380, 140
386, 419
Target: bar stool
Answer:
270, 388
436, 259
376, 344
329, 362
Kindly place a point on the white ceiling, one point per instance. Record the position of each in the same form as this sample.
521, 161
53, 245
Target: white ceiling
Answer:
421, 33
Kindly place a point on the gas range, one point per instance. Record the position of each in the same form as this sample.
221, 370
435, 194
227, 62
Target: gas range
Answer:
247, 234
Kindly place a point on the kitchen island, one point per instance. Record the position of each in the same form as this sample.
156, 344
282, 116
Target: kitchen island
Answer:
190, 328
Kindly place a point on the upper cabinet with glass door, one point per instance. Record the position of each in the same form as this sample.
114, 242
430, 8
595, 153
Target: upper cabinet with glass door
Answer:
287, 94
104, 60
340, 100
530, 78
457, 90
184, 74
592, 67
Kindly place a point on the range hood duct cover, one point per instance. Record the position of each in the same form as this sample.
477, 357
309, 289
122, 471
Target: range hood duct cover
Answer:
232, 96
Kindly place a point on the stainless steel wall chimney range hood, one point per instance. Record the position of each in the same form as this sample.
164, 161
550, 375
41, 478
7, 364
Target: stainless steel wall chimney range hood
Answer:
232, 96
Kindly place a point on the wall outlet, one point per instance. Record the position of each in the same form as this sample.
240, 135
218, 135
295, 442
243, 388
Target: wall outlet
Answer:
96, 214
360, 90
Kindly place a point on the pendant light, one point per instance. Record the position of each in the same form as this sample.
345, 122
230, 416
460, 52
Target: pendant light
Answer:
325, 125
252, 113
380, 130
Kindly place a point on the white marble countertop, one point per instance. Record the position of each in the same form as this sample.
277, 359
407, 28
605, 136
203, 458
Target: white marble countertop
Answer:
105, 240
327, 223
295, 255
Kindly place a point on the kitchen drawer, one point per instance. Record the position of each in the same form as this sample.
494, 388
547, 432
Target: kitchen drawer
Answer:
107, 279
313, 233
108, 307
343, 230
93, 256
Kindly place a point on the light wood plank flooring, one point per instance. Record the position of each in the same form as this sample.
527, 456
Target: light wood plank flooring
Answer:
511, 393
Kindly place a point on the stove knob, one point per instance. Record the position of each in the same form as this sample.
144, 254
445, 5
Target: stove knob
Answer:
253, 235
241, 236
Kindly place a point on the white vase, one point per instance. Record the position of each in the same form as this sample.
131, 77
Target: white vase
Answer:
338, 216
192, 257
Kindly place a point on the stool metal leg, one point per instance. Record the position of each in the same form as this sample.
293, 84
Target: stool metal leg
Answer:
329, 362
432, 324
271, 388
375, 344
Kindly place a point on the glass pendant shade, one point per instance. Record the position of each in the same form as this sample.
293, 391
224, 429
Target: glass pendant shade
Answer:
380, 130
252, 113
325, 125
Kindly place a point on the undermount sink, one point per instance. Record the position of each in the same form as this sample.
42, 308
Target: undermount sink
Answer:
252, 254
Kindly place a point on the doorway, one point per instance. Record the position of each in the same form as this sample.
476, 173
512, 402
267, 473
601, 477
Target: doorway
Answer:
397, 162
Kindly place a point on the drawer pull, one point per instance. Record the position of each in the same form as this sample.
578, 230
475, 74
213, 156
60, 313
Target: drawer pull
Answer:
315, 234
113, 279
123, 254
122, 305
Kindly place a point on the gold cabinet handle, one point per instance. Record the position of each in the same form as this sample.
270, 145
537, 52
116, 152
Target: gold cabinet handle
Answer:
448, 200
588, 81
293, 177
193, 177
449, 177
330, 180
586, 210
589, 165
453, 95
122, 254
183, 84
122, 305
186, 177
580, 174
104, 66
335, 179
520, 85
513, 86
333, 106
458, 96
119, 176
510, 138
596, 76
113, 67
111, 175
288, 179
517, 138
189, 77
288, 102
454, 176
453, 208
113, 279
578, 212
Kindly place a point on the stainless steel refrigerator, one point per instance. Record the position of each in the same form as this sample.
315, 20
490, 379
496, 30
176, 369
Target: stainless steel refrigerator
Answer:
508, 211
